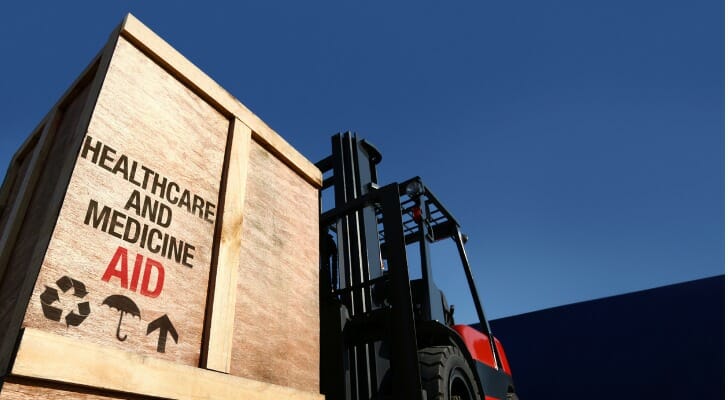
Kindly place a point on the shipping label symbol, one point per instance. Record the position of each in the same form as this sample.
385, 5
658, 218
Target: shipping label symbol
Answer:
50, 297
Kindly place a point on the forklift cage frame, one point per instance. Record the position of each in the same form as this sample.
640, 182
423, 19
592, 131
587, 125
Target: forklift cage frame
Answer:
377, 328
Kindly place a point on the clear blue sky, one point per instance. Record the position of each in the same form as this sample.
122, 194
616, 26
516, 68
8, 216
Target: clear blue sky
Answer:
580, 143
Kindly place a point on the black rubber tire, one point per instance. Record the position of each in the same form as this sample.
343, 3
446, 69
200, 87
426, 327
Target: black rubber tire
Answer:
446, 375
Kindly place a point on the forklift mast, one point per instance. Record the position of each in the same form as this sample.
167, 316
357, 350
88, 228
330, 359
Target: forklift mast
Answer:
374, 319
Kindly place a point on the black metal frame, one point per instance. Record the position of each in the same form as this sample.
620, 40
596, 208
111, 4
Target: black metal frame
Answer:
368, 325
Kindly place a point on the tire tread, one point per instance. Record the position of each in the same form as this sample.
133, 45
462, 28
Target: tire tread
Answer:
434, 373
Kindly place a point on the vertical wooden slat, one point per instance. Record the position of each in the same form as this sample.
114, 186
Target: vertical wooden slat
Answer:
222, 315
11, 174
20, 204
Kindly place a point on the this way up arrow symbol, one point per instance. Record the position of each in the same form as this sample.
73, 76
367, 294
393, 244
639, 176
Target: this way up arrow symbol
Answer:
165, 326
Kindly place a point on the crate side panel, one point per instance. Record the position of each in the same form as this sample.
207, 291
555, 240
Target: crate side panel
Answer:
147, 176
39, 212
276, 335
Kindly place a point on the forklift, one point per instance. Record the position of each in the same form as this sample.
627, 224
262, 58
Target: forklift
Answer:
383, 334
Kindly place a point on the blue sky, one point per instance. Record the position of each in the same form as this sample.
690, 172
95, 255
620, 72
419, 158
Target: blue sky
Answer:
580, 144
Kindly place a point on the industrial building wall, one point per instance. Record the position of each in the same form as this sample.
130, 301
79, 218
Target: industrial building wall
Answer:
664, 343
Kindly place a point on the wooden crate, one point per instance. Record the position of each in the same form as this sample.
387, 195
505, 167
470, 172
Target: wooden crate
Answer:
153, 225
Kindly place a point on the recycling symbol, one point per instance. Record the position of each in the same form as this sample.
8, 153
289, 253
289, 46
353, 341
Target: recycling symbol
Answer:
50, 300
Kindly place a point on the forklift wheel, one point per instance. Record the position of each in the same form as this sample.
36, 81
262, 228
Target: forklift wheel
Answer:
446, 375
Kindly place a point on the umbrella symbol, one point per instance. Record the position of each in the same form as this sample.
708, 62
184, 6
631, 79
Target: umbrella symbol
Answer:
125, 305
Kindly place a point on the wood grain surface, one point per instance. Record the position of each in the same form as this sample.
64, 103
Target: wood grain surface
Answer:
143, 103
35, 389
222, 307
276, 335
149, 117
71, 361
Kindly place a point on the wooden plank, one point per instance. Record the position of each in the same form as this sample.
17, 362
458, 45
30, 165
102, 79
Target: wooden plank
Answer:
21, 156
10, 190
29, 143
7, 193
219, 345
15, 171
277, 321
31, 389
151, 143
52, 357
21, 201
185, 71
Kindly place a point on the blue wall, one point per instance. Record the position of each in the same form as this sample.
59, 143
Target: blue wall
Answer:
663, 343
